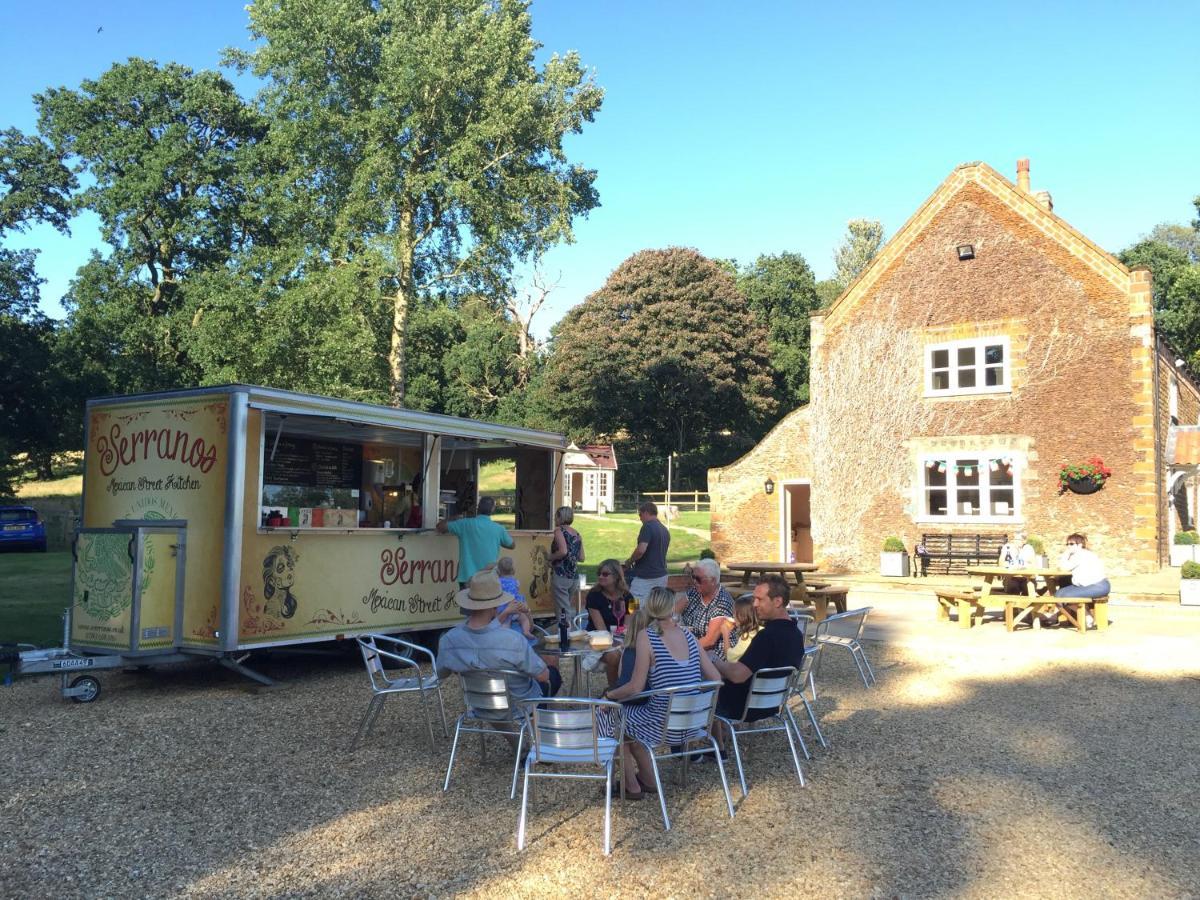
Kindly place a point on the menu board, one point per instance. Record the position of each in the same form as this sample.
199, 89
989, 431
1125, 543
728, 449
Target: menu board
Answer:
307, 463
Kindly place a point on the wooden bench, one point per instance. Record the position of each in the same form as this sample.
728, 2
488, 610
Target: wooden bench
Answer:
951, 554
966, 602
1073, 609
819, 599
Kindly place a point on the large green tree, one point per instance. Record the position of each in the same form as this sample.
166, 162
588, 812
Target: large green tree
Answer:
165, 155
667, 355
421, 141
781, 290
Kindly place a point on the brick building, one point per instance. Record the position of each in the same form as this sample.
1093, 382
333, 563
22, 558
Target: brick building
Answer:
986, 345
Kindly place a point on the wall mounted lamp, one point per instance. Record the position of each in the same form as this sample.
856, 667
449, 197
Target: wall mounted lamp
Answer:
965, 251
769, 486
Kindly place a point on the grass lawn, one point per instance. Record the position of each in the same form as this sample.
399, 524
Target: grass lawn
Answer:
614, 536
35, 588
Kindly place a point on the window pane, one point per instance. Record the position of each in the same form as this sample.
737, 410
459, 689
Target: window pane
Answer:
968, 503
1002, 502
994, 376
934, 478
1002, 476
966, 356
937, 503
968, 473
941, 381
993, 355
966, 378
941, 359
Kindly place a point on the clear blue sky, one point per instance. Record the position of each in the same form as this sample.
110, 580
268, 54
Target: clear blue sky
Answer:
761, 127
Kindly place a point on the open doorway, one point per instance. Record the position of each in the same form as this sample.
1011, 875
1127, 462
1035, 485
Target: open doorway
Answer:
795, 527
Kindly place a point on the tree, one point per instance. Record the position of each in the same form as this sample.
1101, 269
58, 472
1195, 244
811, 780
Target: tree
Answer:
1179, 237
781, 290
421, 140
667, 352
166, 153
1163, 261
863, 239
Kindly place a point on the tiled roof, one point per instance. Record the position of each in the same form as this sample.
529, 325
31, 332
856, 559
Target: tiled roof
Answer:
1183, 446
601, 456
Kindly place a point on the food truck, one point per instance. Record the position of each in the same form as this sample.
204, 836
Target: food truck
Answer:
222, 520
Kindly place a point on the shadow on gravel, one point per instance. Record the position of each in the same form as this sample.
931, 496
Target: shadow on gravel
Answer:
1065, 780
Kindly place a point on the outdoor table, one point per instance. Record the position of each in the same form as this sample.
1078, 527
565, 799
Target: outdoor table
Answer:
819, 599
796, 570
549, 646
1031, 605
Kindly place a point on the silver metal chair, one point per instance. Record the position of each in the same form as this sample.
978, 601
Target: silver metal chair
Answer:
690, 710
845, 630
491, 710
381, 651
806, 675
769, 690
582, 621
565, 732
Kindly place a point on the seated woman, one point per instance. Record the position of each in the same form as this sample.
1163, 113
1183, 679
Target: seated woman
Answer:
635, 624
1016, 554
607, 604
667, 656
742, 628
1088, 580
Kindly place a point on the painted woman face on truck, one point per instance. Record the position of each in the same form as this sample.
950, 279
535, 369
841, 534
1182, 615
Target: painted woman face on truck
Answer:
279, 574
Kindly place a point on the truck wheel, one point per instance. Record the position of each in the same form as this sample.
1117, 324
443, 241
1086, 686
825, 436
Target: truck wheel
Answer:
90, 687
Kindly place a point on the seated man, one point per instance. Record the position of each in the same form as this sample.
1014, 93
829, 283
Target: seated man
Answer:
481, 642
779, 643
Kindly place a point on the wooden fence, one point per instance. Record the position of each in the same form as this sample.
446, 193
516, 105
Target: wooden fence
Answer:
684, 501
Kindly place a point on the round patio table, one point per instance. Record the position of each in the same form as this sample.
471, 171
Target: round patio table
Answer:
549, 646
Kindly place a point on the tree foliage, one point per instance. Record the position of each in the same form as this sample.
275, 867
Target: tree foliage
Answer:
421, 141
1172, 253
863, 239
667, 354
781, 291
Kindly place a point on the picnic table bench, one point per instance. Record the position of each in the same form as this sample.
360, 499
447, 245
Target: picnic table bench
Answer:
950, 554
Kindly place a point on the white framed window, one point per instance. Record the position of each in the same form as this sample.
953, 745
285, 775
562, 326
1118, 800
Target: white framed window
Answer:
969, 487
974, 366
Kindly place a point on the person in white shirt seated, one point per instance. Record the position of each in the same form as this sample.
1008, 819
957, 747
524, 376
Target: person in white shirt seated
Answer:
1088, 580
1017, 553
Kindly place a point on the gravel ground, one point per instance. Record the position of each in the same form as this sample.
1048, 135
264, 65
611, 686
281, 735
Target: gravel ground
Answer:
972, 770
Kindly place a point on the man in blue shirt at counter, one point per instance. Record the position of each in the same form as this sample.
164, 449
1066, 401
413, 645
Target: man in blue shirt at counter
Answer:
479, 539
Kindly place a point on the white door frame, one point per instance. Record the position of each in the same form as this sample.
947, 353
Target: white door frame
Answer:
785, 526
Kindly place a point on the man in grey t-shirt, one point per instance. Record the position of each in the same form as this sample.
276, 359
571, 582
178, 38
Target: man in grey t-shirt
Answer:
646, 567
482, 643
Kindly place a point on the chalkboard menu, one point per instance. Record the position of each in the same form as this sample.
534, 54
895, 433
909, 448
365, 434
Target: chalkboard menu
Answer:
306, 463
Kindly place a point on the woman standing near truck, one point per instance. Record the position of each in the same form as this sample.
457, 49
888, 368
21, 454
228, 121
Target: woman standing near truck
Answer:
565, 553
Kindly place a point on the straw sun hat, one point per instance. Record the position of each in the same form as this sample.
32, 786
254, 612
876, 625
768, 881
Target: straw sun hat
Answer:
483, 591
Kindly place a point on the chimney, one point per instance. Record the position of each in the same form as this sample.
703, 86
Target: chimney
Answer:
1044, 200
1023, 175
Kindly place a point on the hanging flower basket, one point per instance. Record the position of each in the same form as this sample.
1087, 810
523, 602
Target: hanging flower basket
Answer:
1083, 478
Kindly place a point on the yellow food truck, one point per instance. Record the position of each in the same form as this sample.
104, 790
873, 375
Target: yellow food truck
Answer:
220, 520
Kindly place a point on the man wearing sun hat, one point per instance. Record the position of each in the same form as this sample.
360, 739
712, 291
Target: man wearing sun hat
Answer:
480, 642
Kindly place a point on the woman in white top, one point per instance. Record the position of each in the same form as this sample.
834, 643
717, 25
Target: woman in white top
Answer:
1088, 579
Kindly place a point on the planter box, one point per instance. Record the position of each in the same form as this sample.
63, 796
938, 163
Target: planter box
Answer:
1189, 591
1083, 486
1181, 553
894, 564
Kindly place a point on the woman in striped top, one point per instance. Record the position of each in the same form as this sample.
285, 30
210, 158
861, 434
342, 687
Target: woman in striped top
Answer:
667, 656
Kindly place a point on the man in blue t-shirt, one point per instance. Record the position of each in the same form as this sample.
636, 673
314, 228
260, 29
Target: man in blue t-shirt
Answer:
646, 567
479, 539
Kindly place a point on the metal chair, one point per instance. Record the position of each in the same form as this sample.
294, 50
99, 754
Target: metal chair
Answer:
845, 630
769, 690
806, 675
380, 651
565, 732
490, 706
690, 710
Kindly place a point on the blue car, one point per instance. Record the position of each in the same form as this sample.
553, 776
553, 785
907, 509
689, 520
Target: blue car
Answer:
21, 528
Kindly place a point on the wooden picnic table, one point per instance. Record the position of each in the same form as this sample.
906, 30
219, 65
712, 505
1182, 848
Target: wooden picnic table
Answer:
763, 569
819, 598
1029, 603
